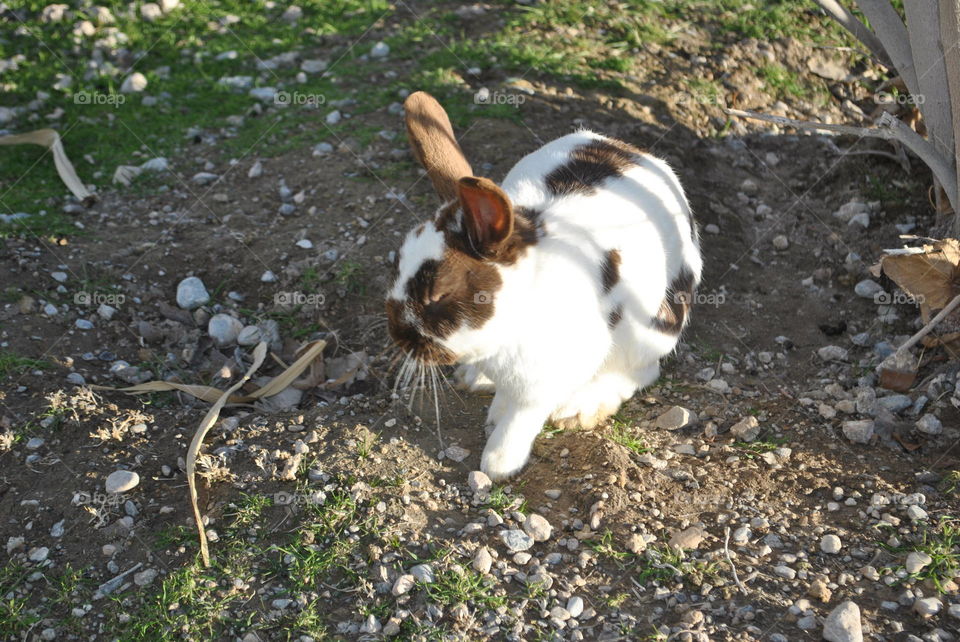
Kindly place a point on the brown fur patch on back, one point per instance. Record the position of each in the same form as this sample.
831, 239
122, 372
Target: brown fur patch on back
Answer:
675, 307
590, 165
616, 315
610, 270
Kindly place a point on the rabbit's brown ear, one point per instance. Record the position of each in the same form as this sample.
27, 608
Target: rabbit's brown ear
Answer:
487, 212
434, 145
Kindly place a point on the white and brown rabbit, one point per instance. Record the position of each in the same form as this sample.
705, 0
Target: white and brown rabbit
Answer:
563, 287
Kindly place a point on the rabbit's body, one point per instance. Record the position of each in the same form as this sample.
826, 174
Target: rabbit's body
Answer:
573, 307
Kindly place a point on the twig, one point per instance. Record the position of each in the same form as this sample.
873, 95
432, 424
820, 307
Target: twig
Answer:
889, 128
925, 330
726, 553
850, 22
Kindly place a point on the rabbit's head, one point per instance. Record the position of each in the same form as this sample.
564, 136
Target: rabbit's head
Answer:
449, 267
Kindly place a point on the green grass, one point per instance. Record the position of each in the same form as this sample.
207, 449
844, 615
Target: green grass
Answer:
12, 364
501, 501
942, 543
950, 484
621, 433
782, 82
467, 586
753, 449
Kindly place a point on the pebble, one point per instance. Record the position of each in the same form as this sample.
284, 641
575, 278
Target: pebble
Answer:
191, 293
314, 66
403, 584
859, 431
636, 544
263, 94
305, 244
927, 607
477, 480
575, 606
868, 289
83, 324
917, 561
785, 572
380, 50
423, 573
145, 578
747, 429
689, 538
256, 170
781, 242
537, 527
268, 277
59, 277
224, 329
333, 117
516, 540
954, 611
843, 624
121, 481
916, 514
553, 493
482, 561
929, 424
133, 83
676, 418
832, 353
249, 336
830, 544
38, 554
322, 149
456, 453
204, 178
35, 443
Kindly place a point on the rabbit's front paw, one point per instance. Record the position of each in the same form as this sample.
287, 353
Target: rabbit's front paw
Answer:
500, 463
470, 378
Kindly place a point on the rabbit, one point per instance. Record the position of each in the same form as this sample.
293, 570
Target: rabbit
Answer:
560, 289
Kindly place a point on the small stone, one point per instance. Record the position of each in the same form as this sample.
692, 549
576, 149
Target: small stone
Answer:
832, 353
456, 453
553, 493
59, 277
204, 178
249, 336
954, 611
380, 50
268, 277
38, 554
121, 481
35, 443
191, 293
818, 589
479, 482
916, 514
927, 607
305, 244
689, 538
291, 15
537, 527
843, 624
781, 242
403, 584
868, 289
575, 606
929, 424
859, 431
830, 544
224, 329
521, 558
636, 544
133, 83
516, 540
145, 578
676, 418
256, 170
423, 573
57, 529
785, 572
313, 66
333, 117
83, 324
747, 429
482, 560
917, 561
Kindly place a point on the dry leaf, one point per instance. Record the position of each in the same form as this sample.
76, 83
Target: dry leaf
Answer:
50, 139
931, 277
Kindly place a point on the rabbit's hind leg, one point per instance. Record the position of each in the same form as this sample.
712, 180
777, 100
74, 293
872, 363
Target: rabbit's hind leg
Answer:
596, 401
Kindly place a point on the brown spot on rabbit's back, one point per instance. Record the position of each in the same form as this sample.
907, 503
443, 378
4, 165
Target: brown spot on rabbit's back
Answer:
591, 164
610, 270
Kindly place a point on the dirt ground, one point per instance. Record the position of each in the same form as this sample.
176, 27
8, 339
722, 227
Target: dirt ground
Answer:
763, 312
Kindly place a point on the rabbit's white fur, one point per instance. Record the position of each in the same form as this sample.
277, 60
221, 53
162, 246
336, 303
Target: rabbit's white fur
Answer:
548, 348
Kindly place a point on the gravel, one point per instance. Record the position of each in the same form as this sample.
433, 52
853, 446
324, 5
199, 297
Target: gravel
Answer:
676, 418
830, 544
537, 527
859, 431
191, 293
747, 429
516, 540
843, 624
121, 481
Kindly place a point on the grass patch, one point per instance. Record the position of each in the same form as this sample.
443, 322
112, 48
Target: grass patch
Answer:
950, 484
621, 433
782, 82
502, 501
942, 544
11, 364
466, 587
753, 449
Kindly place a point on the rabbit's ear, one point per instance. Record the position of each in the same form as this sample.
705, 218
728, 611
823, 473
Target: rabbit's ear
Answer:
487, 213
434, 145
